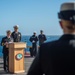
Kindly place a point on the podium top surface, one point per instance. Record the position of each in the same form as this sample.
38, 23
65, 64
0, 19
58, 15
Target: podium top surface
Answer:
17, 45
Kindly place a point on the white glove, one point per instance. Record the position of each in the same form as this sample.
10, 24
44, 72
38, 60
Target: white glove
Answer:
33, 41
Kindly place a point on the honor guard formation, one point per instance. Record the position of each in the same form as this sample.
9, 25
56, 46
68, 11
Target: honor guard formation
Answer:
34, 39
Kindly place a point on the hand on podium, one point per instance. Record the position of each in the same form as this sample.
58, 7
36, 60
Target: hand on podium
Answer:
6, 44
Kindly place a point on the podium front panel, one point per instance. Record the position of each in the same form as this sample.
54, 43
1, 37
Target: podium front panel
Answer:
16, 57
19, 60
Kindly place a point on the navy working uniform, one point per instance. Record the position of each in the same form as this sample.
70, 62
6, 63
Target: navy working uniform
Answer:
42, 38
5, 51
16, 36
57, 57
34, 40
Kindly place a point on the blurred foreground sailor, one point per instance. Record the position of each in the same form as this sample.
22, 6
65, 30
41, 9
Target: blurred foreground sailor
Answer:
5, 41
58, 57
16, 35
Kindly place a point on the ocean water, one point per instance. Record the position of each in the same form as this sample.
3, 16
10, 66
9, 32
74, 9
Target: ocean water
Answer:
26, 40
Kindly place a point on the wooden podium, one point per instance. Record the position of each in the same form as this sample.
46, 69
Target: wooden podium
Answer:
16, 57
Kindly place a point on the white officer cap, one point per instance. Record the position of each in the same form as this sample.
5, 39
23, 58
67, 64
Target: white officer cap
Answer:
67, 6
67, 11
16, 26
34, 32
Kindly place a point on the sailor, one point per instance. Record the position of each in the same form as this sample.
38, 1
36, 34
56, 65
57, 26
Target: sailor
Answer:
5, 41
41, 37
58, 57
33, 39
16, 35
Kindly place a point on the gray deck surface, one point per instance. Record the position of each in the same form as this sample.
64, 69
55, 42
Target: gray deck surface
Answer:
28, 61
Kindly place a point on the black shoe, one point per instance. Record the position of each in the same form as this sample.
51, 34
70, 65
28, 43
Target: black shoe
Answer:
7, 71
4, 69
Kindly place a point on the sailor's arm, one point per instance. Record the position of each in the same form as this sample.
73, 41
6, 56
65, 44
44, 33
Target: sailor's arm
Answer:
20, 36
2, 42
45, 37
31, 39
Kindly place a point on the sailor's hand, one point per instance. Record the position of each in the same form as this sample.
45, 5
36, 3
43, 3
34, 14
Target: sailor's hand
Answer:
33, 41
7, 46
6, 43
